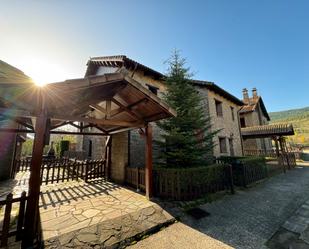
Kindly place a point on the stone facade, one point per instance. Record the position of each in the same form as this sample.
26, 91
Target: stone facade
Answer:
253, 115
135, 143
228, 127
7, 150
119, 160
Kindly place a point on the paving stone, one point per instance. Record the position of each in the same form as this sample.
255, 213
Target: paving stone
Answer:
305, 236
87, 238
294, 227
90, 213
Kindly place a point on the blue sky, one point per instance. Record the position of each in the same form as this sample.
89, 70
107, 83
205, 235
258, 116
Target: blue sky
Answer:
236, 44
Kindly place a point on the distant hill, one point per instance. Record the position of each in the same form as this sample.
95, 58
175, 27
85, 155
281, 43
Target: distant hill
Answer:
300, 120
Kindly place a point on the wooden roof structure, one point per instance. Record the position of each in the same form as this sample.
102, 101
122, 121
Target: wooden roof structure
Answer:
263, 131
119, 61
251, 104
112, 103
215, 88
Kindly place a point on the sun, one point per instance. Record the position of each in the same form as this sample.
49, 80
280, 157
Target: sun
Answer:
39, 83
43, 72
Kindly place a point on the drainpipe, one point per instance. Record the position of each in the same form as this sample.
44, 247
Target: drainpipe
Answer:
239, 128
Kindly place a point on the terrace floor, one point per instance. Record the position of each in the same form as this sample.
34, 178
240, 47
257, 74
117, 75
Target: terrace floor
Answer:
75, 208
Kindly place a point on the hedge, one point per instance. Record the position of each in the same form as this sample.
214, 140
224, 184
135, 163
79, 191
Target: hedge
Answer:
246, 170
190, 183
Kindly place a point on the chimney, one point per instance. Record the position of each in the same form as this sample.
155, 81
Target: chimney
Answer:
245, 94
254, 93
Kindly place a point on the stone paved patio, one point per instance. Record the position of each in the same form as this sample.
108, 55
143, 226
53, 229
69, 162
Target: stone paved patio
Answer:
74, 205
82, 215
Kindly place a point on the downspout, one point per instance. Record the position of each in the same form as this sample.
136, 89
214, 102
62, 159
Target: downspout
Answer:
239, 128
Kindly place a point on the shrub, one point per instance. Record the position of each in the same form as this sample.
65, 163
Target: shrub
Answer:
190, 183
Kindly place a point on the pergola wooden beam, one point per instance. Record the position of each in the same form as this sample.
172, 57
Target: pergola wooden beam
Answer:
148, 161
100, 121
32, 209
99, 108
126, 109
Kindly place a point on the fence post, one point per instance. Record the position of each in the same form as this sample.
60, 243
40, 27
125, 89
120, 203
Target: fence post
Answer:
243, 173
230, 176
21, 215
87, 168
6, 220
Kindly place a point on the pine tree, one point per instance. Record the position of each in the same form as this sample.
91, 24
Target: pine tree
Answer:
187, 139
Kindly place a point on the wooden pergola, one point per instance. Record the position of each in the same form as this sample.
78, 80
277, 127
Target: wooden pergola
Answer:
276, 132
111, 103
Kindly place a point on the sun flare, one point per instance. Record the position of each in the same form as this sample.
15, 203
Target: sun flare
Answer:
43, 72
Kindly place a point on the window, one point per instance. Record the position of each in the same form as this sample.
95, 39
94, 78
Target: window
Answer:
153, 89
219, 108
242, 122
232, 112
222, 143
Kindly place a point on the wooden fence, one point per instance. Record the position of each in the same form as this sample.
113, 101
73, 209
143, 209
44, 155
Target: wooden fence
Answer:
61, 170
135, 177
246, 170
12, 227
266, 153
253, 173
182, 184
288, 159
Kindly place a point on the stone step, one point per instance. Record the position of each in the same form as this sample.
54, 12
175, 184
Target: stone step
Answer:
114, 232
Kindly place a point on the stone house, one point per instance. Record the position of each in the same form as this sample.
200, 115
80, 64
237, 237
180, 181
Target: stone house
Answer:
10, 143
223, 109
254, 113
128, 146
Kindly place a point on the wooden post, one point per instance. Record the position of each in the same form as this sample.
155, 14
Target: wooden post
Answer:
109, 158
32, 210
148, 161
282, 153
277, 147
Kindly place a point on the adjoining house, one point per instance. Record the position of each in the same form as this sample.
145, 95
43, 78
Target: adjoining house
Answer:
220, 105
223, 109
10, 143
254, 113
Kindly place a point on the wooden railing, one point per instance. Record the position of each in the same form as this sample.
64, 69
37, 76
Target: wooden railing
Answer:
9, 229
61, 170
288, 159
72, 170
266, 153
185, 185
135, 177
246, 170
180, 184
254, 173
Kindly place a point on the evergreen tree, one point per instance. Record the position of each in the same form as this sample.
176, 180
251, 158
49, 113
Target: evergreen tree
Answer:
187, 139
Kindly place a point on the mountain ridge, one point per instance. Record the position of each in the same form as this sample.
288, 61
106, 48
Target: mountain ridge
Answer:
299, 118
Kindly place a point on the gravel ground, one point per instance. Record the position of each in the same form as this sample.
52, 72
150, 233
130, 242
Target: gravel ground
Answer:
245, 220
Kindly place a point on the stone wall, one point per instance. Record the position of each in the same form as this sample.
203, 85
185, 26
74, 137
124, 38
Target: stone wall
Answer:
229, 128
137, 147
7, 147
256, 118
119, 160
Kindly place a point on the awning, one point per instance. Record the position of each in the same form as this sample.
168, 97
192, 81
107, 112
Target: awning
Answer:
264, 131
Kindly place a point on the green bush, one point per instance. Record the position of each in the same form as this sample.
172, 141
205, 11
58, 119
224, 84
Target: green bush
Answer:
190, 183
